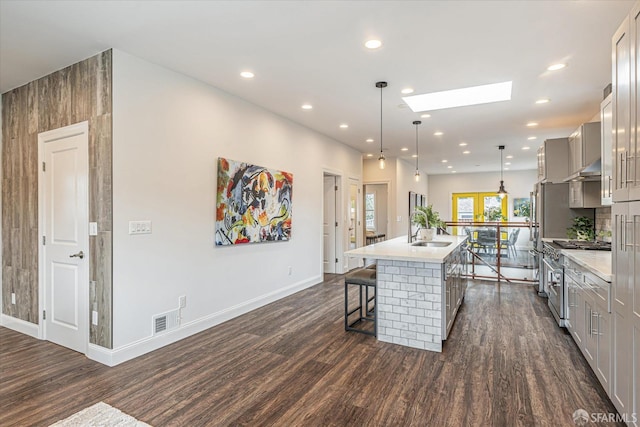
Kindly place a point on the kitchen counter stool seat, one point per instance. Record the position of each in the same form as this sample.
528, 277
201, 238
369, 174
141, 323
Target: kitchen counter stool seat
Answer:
365, 280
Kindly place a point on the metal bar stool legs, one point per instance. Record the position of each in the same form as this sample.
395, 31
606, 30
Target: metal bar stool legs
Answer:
365, 280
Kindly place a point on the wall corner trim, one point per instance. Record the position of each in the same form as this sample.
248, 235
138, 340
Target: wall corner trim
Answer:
146, 345
20, 325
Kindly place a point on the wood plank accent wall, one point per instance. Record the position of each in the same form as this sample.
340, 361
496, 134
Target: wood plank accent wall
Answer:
74, 94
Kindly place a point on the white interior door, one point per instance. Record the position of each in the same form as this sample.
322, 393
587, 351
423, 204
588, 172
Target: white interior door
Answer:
354, 223
65, 229
329, 225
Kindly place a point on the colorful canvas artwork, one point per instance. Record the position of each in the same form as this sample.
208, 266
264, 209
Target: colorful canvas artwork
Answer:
253, 203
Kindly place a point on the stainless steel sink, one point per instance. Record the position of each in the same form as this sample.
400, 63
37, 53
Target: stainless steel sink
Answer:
432, 244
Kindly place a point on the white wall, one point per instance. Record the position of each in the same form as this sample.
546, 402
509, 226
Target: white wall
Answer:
441, 187
168, 131
400, 176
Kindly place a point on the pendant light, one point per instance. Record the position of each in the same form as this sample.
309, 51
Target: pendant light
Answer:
381, 159
417, 175
501, 192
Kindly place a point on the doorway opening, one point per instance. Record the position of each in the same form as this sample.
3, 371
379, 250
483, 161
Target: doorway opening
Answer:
376, 213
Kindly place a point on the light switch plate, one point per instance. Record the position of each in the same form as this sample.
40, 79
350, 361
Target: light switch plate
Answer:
93, 229
94, 318
140, 227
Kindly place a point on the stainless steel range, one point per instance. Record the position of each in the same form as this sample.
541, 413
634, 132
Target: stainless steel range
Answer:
553, 280
552, 276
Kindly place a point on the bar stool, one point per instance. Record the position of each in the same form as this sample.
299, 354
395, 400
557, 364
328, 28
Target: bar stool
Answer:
365, 280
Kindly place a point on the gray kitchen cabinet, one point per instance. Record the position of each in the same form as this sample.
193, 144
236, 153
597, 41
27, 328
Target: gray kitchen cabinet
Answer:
606, 163
454, 287
590, 336
599, 343
625, 218
625, 119
584, 147
575, 317
553, 160
584, 194
588, 318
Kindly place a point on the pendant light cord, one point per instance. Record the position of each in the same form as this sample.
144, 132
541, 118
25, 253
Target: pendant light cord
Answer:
417, 148
381, 87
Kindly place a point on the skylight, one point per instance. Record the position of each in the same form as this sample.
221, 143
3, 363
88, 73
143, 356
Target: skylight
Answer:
459, 97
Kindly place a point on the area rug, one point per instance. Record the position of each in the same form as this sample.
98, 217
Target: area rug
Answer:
100, 415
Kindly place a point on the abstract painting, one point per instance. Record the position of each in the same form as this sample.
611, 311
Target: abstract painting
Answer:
253, 203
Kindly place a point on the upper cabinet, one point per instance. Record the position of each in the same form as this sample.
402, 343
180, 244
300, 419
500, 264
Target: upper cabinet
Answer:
626, 121
606, 164
584, 167
553, 160
584, 153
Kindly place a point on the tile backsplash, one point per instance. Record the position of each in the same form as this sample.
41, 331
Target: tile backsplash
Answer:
603, 224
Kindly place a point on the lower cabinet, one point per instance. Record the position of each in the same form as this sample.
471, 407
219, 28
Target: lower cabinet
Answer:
454, 288
589, 319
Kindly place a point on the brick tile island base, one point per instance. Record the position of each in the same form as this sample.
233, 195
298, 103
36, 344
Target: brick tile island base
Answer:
419, 290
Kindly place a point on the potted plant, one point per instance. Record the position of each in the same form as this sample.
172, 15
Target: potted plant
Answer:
582, 229
427, 221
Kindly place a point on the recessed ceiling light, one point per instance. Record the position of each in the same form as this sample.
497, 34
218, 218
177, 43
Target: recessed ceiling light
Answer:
425, 116
526, 148
414, 156
369, 140
543, 101
509, 156
460, 97
531, 138
532, 124
247, 75
369, 155
438, 133
404, 149
307, 106
453, 171
506, 169
466, 152
449, 167
463, 144
445, 161
507, 163
407, 90
344, 126
373, 44
556, 67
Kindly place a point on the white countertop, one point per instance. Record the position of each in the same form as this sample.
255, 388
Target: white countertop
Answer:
399, 249
597, 262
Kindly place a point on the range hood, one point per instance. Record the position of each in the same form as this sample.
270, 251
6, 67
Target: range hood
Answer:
590, 172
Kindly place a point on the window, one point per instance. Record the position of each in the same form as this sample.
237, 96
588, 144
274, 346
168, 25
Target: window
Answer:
370, 210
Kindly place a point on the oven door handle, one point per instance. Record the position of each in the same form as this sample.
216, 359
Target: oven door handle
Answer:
555, 270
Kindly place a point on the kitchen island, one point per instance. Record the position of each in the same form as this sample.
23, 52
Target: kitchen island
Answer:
419, 288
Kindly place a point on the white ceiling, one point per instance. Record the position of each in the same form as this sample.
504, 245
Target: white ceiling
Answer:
312, 51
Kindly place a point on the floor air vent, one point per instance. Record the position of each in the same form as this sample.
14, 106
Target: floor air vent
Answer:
165, 321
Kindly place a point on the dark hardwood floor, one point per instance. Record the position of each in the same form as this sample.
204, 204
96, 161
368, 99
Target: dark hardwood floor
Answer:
291, 363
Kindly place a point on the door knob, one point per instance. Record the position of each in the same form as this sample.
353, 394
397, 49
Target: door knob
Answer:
78, 255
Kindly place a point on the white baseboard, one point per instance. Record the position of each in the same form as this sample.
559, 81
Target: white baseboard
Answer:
130, 351
22, 326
